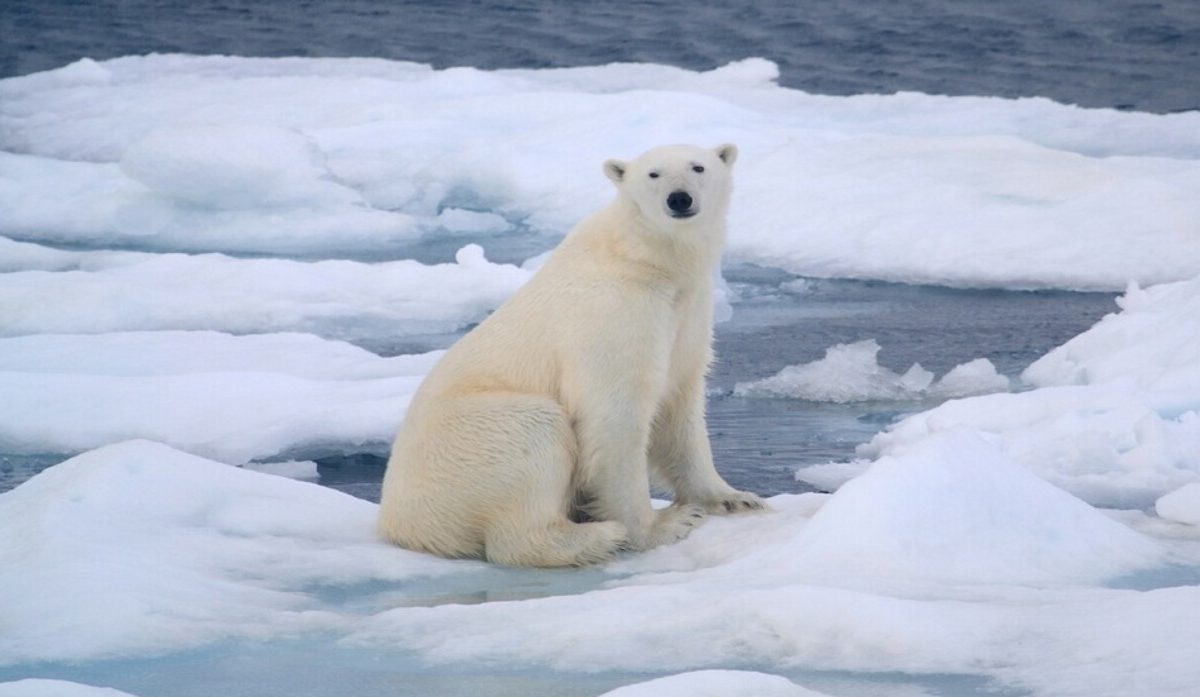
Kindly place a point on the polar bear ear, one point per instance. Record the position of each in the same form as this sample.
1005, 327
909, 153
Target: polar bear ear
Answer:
615, 170
728, 153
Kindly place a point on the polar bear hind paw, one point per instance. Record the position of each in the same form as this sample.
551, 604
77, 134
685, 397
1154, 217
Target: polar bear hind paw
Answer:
561, 544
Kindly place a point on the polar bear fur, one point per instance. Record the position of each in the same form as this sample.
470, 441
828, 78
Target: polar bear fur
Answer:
534, 439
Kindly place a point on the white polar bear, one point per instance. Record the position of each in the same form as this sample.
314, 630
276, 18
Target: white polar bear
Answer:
559, 406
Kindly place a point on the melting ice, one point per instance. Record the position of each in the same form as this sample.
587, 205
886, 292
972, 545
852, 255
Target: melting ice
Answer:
195, 250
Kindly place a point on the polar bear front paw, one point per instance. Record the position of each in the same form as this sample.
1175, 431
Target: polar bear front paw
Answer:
734, 501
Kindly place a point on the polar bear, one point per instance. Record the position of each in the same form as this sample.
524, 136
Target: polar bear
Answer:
533, 440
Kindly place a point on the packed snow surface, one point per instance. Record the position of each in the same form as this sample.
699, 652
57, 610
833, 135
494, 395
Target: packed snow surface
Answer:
233, 398
189, 245
294, 156
34, 687
715, 683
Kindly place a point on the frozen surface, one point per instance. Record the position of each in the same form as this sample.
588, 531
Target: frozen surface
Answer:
293, 156
1154, 343
1116, 418
34, 687
92, 292
851, 373
715, 683
232, 398
137, 549
189, 244
1181, 505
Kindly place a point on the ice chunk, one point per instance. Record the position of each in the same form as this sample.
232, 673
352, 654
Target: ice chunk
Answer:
715, 683
1103, 443
234, 167
320, 154
305, 470
974, 377
1153, 341
136, 548
1181, 505
953, 509
852, 373
103, 291
234, 398
1117, 417
37, 687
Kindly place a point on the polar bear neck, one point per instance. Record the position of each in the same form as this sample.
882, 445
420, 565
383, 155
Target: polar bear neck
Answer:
685, 252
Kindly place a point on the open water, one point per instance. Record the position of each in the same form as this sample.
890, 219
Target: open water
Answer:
1126, 54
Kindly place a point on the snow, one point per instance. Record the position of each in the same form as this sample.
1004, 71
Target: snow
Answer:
1116, 418
232, 398
137, 548
1181, 505
715, 683
189, 245
91, 292
953, 510
33, 687
852, 373
1119, 348
292, 156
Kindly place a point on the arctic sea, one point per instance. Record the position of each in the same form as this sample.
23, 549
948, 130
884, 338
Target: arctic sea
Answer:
958, 347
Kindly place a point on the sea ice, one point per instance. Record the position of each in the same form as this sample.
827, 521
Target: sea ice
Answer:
232, 398
1181, 505
136, 549
92, 292
951, 509
715, 683
297, 156
1116, 419
949, 551
852, 373
36, 687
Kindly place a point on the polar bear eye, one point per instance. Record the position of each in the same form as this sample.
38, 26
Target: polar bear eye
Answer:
654, 175
698, 169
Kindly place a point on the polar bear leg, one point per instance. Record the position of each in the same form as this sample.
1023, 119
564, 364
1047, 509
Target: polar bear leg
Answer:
522, 456
681, 455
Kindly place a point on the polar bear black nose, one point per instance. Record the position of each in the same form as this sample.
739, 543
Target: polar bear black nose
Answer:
679, 201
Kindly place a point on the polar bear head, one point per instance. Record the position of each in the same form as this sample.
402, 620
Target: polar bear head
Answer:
676, 184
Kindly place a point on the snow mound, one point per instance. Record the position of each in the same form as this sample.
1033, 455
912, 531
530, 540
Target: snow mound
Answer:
1181, 505
951, 509
852, 373
232, 398
715, 683
139, 549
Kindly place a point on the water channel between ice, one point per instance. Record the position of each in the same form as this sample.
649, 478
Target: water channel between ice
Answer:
779, 320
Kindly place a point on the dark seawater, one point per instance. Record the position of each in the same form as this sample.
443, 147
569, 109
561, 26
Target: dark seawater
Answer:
759, 443
1123, 54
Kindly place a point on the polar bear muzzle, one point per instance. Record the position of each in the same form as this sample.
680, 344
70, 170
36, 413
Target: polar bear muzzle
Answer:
680, 204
